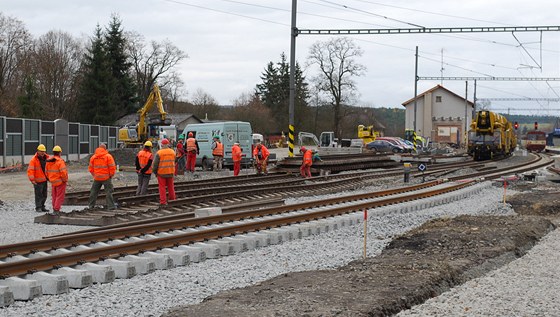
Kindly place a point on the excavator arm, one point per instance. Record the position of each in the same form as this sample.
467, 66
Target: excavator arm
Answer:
143, 113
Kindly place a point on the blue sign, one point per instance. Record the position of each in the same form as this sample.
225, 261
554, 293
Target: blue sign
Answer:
421, 167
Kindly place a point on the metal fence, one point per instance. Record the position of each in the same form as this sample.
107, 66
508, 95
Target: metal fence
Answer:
19, 139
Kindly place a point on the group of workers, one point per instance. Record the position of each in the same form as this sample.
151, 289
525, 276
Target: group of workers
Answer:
166, 163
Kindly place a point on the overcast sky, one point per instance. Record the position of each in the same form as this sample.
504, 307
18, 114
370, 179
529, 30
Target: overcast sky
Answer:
229, 43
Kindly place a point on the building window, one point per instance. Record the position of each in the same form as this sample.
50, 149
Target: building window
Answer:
438, 98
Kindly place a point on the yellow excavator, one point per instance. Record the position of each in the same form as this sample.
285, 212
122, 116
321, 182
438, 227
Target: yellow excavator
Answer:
367, 134
147, 127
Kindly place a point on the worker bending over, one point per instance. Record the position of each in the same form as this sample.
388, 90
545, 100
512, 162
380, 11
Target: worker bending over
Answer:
305, 169
260, 155
164, 169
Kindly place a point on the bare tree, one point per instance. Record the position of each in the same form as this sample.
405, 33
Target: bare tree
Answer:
57, 59
173, 90
152, 62
249, 107
337, 65
205, 105
15, 45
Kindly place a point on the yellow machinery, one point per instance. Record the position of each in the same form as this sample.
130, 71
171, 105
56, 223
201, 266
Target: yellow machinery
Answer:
147, 127
367, 134
491, 135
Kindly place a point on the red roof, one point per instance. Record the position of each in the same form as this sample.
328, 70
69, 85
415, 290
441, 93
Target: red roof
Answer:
432, 90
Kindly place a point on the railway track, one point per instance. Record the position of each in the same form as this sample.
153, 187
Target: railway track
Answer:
122, 251
228, 193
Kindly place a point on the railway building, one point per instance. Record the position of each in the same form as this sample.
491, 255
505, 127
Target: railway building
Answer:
441, 115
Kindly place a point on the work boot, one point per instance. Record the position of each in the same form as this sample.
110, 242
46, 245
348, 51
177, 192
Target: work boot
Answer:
39, 209
43, 209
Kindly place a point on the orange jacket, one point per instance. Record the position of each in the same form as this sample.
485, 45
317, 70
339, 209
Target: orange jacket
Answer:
192, 146
34, 171
164, 163
102, 165
264, 153
56, 171
308, 158
180, 149
219, 149
143, 158
236, 153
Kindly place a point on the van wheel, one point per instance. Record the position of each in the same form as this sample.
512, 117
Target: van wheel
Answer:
206, 165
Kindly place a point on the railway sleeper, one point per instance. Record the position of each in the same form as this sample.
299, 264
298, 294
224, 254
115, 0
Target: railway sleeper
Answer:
6, 296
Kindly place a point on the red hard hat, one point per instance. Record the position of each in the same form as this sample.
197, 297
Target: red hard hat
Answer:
302, 149
164, 142
190, 134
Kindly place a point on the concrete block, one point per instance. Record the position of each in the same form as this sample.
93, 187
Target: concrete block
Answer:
162, 261
273, 237
100, 273
76, 278
133, 239
60, 251
116, 242
195, 254
123, 269
99, 245
250, 241
238, 244
179, 257
293, 233
22, 289
51, 284
206, 212
15, 258
143, 265
283, 234
226, 247
80, 248
6, 296
212, 251
261, 239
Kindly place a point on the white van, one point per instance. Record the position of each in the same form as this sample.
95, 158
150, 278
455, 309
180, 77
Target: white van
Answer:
229, 132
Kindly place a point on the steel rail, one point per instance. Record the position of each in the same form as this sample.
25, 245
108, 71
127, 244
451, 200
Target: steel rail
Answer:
95, 254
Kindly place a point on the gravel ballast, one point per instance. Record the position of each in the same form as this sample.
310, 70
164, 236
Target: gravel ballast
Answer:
154, 294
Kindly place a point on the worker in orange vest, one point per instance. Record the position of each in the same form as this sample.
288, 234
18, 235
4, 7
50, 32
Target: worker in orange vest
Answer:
260, 155
192, 151
305, 169
164, 169
143, 163
102, 167
217, 152
236, 156
58, 176
37, 176
181, 156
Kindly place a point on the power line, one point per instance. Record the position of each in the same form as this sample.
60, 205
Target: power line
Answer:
429, 30
492, 78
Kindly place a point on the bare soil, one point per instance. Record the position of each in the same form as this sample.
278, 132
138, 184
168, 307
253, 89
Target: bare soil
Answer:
419, 265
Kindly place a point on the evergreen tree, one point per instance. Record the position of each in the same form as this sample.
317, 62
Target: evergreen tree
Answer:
274, 92
123, 90
95, 99
29, 101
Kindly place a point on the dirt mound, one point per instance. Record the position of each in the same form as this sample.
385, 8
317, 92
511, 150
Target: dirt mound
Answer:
413, 268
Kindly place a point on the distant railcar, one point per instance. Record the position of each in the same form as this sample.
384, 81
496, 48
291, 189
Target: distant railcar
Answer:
535, 141
491, 135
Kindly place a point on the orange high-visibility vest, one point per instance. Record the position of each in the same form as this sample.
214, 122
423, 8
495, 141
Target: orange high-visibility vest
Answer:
236, 153
191, 145
34, 171
166, 162
218, 150
143, 158
57, 172
308, 158
102, 165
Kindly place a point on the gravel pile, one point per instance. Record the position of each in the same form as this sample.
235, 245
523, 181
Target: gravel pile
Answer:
154, 294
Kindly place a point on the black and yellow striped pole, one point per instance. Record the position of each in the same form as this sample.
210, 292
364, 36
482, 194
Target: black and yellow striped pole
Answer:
292, 80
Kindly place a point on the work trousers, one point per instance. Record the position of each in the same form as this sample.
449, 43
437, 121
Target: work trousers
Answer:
236, 168
180, 167
305, 170
40, 195
191, 161
96, 187
165, 182
261, 167
218, 161
58, 193
143, 182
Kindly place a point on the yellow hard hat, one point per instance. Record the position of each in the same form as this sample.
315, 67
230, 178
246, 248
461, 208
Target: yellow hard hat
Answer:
148, 143
41, 147
57, 149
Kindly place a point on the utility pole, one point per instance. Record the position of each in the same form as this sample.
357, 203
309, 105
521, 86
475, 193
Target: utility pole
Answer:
292, 101
415, 87
466, 111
